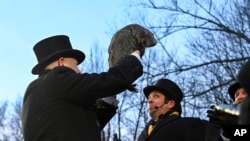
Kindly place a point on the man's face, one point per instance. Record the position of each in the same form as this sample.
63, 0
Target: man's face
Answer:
157, 105
240, 96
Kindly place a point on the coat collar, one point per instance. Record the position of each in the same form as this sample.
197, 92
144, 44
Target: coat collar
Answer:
44, 72
164, 119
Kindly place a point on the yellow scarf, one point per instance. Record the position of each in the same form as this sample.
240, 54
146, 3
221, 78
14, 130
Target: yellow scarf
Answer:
151, 126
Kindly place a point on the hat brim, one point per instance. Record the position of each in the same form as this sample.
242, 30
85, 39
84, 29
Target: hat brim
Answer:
147, 90
77, 54
232, 90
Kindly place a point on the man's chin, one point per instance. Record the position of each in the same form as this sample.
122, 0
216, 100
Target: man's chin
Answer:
152, 113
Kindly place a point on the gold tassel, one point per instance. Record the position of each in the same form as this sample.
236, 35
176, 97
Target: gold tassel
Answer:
175, 113
151, 126
150, 129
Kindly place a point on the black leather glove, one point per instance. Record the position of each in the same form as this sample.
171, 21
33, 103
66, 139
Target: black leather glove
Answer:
222, 115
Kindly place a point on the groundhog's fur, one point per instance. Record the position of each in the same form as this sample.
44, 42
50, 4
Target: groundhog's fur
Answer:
128, 39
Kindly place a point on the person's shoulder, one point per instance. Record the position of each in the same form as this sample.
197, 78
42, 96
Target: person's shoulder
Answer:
61, 71
196, 119
191, 118
199, 121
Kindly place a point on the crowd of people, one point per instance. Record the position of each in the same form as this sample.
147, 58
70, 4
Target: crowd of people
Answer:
65, 104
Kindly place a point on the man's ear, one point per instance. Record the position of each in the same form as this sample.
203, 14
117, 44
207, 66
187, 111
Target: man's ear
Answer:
60, 61
171, 103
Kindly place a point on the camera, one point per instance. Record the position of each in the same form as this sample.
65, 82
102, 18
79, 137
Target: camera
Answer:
229, 109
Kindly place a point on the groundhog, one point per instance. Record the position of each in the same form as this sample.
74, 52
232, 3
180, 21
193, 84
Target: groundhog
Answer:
128, 39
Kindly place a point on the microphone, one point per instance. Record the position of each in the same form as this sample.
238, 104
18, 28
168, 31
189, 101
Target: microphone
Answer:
157, 107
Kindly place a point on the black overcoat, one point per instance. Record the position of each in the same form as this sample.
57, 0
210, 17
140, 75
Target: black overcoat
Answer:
59, 105
175, 128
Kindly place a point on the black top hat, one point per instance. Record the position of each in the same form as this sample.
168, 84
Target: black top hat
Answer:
170, 89
51, 48
232, 89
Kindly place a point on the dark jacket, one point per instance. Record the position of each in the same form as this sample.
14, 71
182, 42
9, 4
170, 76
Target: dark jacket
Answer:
60, 104
175, 128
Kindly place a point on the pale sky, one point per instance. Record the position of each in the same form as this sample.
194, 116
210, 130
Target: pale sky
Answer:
24, 23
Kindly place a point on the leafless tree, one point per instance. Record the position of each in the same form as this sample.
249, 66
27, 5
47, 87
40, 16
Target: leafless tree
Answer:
10, 119
3, 110
15, 124
201, 46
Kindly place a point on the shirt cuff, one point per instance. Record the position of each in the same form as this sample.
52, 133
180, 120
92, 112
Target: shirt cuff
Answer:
137, 56
111, 100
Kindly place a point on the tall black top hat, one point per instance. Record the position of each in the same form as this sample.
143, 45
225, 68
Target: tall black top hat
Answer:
232, 89
52, 48
170, 89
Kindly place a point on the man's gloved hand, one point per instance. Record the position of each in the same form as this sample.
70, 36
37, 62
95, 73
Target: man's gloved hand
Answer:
221, 116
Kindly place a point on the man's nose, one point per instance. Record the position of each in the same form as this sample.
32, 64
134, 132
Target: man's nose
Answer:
149, 100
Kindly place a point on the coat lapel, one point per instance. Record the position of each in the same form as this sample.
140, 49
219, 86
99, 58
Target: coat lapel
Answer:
162, 122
